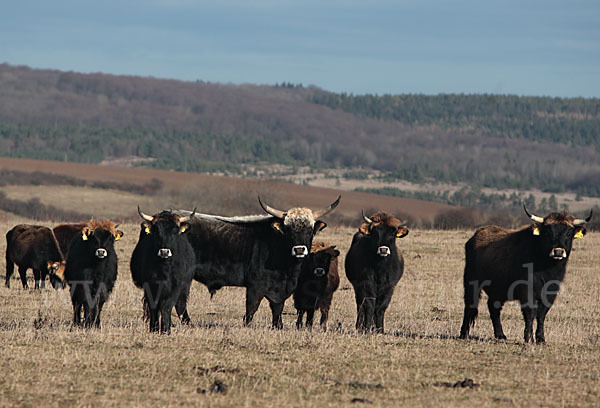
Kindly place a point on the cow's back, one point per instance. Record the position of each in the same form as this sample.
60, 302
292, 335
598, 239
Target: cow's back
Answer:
65, 233
496, 253
26, 243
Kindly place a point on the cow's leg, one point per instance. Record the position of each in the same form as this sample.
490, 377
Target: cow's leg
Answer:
495, 307
181, 305
365, 311
381, 306
542, 311
43, 274
10, 268
98, 312
253, 299
36, 277
324, 316
23, 275
154, 322
300, 314
471, 299
529, 311
310, 314
77, 313
165, 317
276, 311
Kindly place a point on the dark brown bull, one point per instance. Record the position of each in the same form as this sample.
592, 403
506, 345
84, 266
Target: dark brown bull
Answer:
264, 254
374, 266
35, 247
527, 265
319, 278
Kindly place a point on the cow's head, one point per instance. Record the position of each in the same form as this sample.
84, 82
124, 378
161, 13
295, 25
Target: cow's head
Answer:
319, 259
99, 238
164, 230
298, 226
555, 232
381, 230
56, 271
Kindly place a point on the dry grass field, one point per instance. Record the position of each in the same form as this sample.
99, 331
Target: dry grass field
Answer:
44, 361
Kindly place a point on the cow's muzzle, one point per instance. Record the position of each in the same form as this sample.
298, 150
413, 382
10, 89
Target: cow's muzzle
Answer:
558, 253
299, 251
319, 272
165, 253
383, 251
101, 253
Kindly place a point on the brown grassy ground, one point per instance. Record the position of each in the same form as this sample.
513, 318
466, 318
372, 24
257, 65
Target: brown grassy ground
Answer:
44, 361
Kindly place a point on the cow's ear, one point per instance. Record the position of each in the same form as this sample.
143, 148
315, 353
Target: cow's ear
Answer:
364, 228
319, 226
146, 227
535, 229
579, 232
84, 235
336, 253
184, 227
119, 235
276, 225
401, 232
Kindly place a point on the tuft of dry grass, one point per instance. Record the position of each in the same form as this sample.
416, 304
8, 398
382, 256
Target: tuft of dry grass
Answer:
217, 362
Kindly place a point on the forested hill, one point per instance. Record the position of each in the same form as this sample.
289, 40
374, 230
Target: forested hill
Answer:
488, 140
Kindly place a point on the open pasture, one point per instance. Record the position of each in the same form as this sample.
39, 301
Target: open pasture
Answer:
44, 361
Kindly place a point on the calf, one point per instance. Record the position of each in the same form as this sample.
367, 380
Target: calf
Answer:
92, 270
162, 264
318, 280
35, 247
527, 265
374, 266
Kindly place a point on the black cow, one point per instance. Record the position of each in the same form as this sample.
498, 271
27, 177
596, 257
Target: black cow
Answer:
92, 270
35, 247
527, 265
162, 264
374, 266
319, 278
261, 253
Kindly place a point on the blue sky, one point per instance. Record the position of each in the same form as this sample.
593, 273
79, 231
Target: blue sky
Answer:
380, 46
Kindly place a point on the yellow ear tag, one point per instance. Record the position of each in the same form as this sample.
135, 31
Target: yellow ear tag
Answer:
578, 234
118, 237
84, 236
277, 226
183, 228
536, 230
147, 230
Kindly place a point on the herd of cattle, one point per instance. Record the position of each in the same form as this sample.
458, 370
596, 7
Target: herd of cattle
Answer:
274, 256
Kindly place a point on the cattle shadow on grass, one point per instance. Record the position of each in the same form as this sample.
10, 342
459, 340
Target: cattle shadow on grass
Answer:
412, 335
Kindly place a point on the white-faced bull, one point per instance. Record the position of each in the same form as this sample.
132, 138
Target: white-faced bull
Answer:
527, 265
162, 264
261, 253
91, 270
374, 266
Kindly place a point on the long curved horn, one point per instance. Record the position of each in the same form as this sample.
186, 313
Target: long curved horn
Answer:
367, 219
579, 221
187, 218
320, 213
533, 217
145, 216
270, 210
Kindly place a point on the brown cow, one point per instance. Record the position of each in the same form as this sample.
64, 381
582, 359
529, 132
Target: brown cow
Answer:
318, 280
65, 233
35, 247
527, 265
